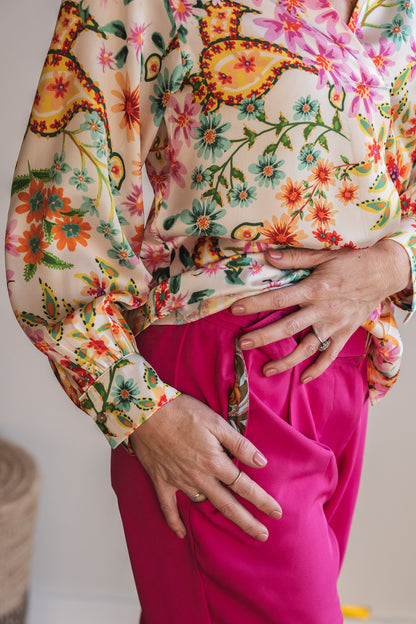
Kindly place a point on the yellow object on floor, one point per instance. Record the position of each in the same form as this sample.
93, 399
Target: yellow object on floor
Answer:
356, 612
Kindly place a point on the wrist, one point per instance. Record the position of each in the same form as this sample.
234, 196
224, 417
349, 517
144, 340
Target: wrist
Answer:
396, 263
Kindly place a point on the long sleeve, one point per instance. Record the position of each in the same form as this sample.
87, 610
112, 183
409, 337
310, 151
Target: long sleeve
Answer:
76, 218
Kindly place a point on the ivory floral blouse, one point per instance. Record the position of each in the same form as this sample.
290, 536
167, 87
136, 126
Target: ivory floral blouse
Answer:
261, 123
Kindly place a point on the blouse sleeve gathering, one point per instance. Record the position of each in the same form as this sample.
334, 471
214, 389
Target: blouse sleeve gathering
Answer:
76, 219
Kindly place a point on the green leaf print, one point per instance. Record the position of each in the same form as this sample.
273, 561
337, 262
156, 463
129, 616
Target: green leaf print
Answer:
200, 295
121, 57
159, 42
116, 27
53, 262
29, 271
175, 284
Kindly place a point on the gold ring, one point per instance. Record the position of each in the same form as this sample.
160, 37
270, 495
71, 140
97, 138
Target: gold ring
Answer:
235, 480
195, 498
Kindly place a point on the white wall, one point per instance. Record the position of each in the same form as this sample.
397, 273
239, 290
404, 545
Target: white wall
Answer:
79, 545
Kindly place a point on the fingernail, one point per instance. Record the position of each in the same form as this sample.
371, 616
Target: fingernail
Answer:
246, 344
274, 253
262, 537
238, 309
259, 459
180, 534
306, 380
270, 371
277, 513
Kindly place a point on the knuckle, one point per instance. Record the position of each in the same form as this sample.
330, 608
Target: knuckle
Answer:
278, 299
247, 489
228, 509
310, 348
292, 327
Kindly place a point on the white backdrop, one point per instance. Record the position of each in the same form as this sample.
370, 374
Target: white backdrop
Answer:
79, 548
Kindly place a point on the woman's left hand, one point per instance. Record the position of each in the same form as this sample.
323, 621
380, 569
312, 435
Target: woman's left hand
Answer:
343, 289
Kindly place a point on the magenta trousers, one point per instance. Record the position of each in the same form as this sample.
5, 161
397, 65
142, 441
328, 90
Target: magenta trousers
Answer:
313, 436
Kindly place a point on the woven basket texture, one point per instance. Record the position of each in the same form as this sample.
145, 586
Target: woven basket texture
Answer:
19, 491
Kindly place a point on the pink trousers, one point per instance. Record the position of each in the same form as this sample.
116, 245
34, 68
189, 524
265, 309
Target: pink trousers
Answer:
313, 437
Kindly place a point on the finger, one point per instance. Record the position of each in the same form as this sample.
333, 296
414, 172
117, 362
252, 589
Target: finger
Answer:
327, 357
297, 258
308, 347
278, 299
245, 487
229, 506
239, 447
169, 506
286, 327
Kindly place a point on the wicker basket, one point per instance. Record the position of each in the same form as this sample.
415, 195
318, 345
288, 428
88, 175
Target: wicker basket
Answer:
19, 489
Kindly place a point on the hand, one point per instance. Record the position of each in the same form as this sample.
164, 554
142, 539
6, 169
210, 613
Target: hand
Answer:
343, 289
181, 447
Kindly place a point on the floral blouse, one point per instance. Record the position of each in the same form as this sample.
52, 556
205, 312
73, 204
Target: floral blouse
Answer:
261, 123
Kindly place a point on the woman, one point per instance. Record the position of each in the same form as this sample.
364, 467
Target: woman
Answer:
279, 141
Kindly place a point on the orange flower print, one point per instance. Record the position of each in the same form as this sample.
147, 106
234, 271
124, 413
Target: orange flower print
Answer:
33, 202
129, 106
245, 62
291, 194
322, 212
282, 233
32, 244
60, 85
98, 346
69, 231
136, 241
96, 286
398, 171
374, 153
347, 193
323, 174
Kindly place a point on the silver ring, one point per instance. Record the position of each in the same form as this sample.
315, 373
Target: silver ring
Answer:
324, 344
195, 497
235, 480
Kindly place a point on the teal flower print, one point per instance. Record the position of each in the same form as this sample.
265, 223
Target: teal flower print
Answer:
94, 124
89, 205
202, 219
250, 108
125, 392
407, 6
267, 170
101, 147
163, 89
210, 142
200, 178
107, 229
397, 31
58, 168
242, 195
80, 179
121, 252
308, 156
305, 108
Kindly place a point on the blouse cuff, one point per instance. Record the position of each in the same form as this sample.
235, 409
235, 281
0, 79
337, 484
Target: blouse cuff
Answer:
124, 396
406, 236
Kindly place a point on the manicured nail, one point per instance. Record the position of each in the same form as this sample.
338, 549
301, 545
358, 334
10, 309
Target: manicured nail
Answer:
246, 343
180, 534
270, 371
306, 380
238, 309
277, 513
259, 459
262, 537
274, 253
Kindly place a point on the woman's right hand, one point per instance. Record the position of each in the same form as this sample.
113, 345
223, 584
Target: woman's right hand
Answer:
182, 447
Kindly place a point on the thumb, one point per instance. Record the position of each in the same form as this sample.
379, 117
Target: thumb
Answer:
296, 258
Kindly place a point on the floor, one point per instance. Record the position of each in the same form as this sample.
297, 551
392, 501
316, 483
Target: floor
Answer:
47, 608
